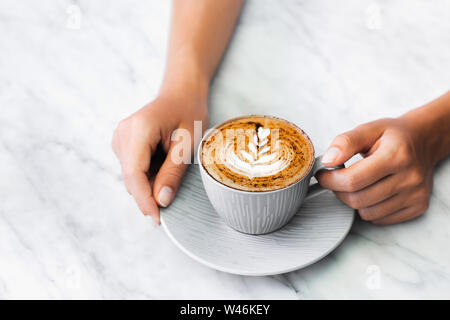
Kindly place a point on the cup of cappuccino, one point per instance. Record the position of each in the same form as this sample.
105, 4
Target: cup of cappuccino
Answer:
256, 171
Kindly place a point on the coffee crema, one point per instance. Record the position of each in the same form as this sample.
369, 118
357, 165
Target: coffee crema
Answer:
257, 153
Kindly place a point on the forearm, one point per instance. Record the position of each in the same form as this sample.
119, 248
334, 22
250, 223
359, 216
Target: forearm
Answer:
200, 32
432, 124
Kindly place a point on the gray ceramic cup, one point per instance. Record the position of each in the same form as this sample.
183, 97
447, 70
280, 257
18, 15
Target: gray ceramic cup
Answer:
259, 212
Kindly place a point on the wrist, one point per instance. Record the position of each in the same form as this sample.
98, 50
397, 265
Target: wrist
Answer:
423, 135
429, 127
185, 78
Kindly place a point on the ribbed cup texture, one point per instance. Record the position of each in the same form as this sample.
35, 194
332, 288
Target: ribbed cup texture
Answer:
255, 212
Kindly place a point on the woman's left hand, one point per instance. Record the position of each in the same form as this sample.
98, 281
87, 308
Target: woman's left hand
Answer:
394, 180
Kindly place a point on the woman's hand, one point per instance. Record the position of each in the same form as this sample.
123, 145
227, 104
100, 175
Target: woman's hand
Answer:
194, 52
137, 137
394, 180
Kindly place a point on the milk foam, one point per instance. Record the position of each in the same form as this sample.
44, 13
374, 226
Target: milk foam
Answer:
257, 153
261, 160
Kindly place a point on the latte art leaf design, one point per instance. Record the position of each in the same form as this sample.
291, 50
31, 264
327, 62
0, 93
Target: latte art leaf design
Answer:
257, 147
259, 158
257, 153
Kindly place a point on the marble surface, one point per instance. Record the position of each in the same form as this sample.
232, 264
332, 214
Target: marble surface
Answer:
71, 70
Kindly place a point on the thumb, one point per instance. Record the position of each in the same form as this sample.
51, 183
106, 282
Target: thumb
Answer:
171, 173
347, 144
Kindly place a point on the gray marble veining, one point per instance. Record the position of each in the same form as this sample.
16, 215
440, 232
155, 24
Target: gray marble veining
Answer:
71, 70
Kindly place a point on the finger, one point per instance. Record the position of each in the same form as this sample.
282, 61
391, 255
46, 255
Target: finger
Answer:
359, 175
384, 208
373, 194
138, 185
402, 215
136, 144
352, 142
136, 141
172, 171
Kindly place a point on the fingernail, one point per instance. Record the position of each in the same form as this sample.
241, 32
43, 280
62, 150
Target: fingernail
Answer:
165, 196
331, 155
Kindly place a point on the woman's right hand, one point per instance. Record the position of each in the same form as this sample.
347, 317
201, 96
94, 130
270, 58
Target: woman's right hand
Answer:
137, 137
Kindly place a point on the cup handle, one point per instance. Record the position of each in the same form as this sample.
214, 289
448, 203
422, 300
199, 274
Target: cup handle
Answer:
316, 189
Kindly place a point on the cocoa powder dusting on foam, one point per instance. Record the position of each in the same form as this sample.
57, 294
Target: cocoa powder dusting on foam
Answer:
256, 164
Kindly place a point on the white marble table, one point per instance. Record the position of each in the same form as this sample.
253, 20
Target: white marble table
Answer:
69, 72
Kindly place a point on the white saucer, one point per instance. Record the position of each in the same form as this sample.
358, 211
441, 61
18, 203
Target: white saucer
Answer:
193, 225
